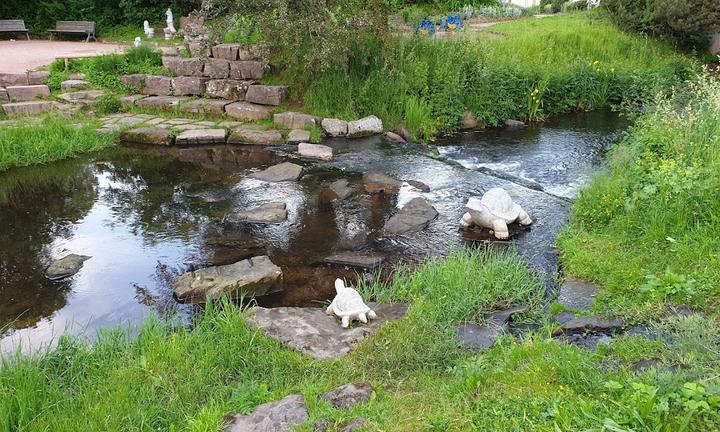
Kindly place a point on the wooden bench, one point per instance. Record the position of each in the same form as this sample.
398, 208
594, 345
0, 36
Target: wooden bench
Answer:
77, 27
14, 26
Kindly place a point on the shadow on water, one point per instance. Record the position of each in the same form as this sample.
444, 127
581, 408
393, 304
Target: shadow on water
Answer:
146, 215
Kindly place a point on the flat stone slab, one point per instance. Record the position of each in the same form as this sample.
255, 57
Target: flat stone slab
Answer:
334, 127
591, 324
296, 120
275, 212
315, 151
201, 137
159, 102
318, 335
280, 416
415, 216
577, 294
131, 99
84, 96
365, 260
13, 79
247, 135
367, 126
252, 277
477, 337
349, 395
285, 171
74, 84
148, 135
247, 112
296, 136
65, 266
26, 108
28, 92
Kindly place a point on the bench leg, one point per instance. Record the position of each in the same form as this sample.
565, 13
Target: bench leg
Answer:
27, 35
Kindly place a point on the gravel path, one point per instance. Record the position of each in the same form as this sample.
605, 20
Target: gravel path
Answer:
19, 56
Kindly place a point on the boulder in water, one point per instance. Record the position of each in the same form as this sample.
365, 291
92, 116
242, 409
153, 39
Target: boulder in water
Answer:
65, 266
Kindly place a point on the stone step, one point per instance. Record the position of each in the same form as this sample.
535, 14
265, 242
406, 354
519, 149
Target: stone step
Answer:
26, 93
74, 84
32, 107
82, 97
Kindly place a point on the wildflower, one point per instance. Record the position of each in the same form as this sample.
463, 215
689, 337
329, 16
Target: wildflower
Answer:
596, 62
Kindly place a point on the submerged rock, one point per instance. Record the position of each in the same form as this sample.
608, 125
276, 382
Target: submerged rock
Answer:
342, 189
280, 416
65, 266
414, 216
255, 276
267, 213
285, 171
349, 395
381, 183
366, 260
514, 124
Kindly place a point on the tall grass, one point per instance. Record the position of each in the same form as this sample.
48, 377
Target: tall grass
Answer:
581, 63
648, 227
54, 137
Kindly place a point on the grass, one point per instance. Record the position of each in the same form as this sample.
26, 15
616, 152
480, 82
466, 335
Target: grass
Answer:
33, 141
580, 62
647, 228
159, 378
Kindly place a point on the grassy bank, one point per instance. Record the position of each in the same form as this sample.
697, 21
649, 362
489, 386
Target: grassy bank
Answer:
33, 141
179, 380
648, 227
526, 69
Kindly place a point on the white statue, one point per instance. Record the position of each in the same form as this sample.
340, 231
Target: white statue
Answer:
349, 306
593, 4
170, 29
495, 210
149, 31
138, 42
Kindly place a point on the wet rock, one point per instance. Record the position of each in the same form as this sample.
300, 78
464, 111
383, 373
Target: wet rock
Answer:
65, 266
246, 70
422, 187
246, 111
247, 135
334, 127
514, 124
315, 151
280, 416
189, 86
402, 131
365, 127
393, 137
85, 96
285, 171
468, 121
74, 84
365, 260
381, 183
204, 106
148, 135
353, 425
252, 277
577, 294
274, 212
227, 89
296, 120
591, 324
266, 95
349, 395
136, 81
297, 136
190, 67
28, 92
413, 217
312, 332
477, 337
201, 137
156, 85
342, 189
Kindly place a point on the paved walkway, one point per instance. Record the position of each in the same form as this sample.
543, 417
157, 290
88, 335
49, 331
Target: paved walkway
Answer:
19, 56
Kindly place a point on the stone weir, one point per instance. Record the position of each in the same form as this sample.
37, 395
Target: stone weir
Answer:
227, 77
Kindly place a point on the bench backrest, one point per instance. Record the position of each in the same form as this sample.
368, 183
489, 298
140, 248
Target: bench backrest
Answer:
75, 26
12, 25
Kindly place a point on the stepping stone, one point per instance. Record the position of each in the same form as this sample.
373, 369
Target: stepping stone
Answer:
297, 136
349, 395
381, 183
285, 171
37, 77
74, 84
335, 127
266, 95
476, 337
296, 120
315, 151
204, 106
13, 79
27, 92
280, 416
25, 108
159, 102
201, 137
227, 89
367, 126
189, 86
314, 333
365, 260
592, 324
248, 112
252, 277
82, 97
415, 216
148, 135
246, 70
65, 266
157, 85
131, 99
248, 135
577, 294
275, 212
153, 121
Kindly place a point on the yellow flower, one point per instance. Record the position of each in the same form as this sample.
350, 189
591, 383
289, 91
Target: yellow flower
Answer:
596, 62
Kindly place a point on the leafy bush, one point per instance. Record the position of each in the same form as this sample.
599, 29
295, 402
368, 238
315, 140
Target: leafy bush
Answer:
687, 22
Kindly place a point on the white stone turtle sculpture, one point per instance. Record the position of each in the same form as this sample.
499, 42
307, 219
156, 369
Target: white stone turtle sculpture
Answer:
348, 305
495, 210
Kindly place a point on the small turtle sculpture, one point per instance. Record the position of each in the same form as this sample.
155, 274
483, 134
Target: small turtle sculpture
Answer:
348, 305
495, 210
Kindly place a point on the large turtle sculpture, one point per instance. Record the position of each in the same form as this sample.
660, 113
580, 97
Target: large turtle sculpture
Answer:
348, 305
495, 210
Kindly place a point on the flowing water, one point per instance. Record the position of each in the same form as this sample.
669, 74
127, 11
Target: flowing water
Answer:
146, 215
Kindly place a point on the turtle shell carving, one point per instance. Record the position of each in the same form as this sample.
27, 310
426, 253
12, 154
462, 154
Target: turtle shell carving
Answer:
495, 210
349, 306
